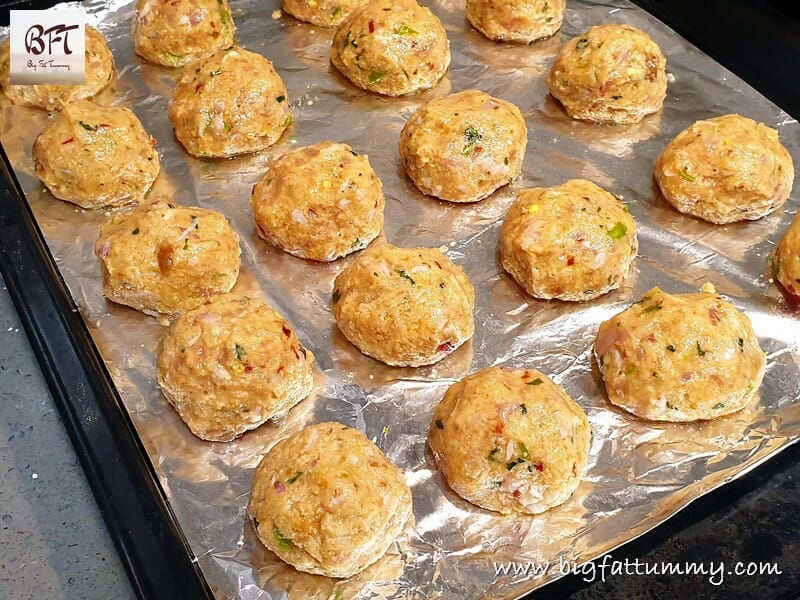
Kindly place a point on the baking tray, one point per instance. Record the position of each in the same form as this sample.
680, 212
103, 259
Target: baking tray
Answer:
93, 411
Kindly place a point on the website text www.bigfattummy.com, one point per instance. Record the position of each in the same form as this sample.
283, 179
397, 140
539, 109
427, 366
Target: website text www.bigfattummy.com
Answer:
602, 568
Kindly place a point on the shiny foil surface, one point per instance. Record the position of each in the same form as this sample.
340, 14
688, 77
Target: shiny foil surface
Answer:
639, 473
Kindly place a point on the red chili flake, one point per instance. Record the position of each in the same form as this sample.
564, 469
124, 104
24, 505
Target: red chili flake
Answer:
499, 428
372, 26
539, 467
278, 485
198, 87
69, 141
526, 375
248, 368
296, 355
651, 337
478, 149
516, 494
281, 369
312, 212
445, 347
213, 25
104, 125
713, 314
436, 262
286, 331
570, 261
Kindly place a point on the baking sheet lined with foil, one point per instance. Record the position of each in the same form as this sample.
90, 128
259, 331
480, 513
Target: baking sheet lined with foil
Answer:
639, 473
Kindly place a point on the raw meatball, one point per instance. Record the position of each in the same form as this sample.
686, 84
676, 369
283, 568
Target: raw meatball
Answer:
573, 241
319, 202
406, 307
323, 13
175, 33
232, 364
96, 156
725, 169
612, 74
232, 102
510, 440
391, 47
516, 20
167, 259
326, 500
679, 357
787, 260
99, 67
464, 146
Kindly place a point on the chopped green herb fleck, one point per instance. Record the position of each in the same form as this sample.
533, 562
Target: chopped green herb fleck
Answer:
136, 232
505, 161
741, 342
652, 308
283, 542
172, 59
336, 12
442, 285
548, 20
700, 351
215, 72
472, 137
686, 175
523, 451
405, 30
241, 353
289, 120
493, 454
582, 43
87, 127
376, 76
616, 97
186, 244
718, 405
439, 424
337, 295
618, 230
514, 463
224, 17
537, 381
671, 406
524, 409
294, 477
405, 275
671, 348
280, 98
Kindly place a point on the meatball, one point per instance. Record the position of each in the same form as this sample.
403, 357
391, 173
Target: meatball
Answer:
404, 306
232, 364
391, 47
99, 69
516, 20
96, 156
610, 74
464, 146
510, 440
165, 259
787, 260
679, 357
233, 102
725, 169
175, 33
574, 241
323, 13
326, 500
320, 202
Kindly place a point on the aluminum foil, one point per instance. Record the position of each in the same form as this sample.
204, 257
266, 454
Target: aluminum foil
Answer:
639, 473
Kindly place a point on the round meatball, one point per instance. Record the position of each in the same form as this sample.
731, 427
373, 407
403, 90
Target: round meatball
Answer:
464, 146
510, 440
175, 33
232, 364
327, 501
230, 103
572, 242
391, 47
787, 260
319, 202
610, 74
406, 307
323, 13
516, 20
100, 72
96, 156
165, 259
679, 357
725, 169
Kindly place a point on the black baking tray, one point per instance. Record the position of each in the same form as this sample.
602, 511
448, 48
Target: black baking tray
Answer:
760, 41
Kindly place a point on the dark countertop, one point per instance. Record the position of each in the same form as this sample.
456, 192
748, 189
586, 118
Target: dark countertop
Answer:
53, 542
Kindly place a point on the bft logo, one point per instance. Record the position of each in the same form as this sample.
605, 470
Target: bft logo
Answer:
48, 47
57, 35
